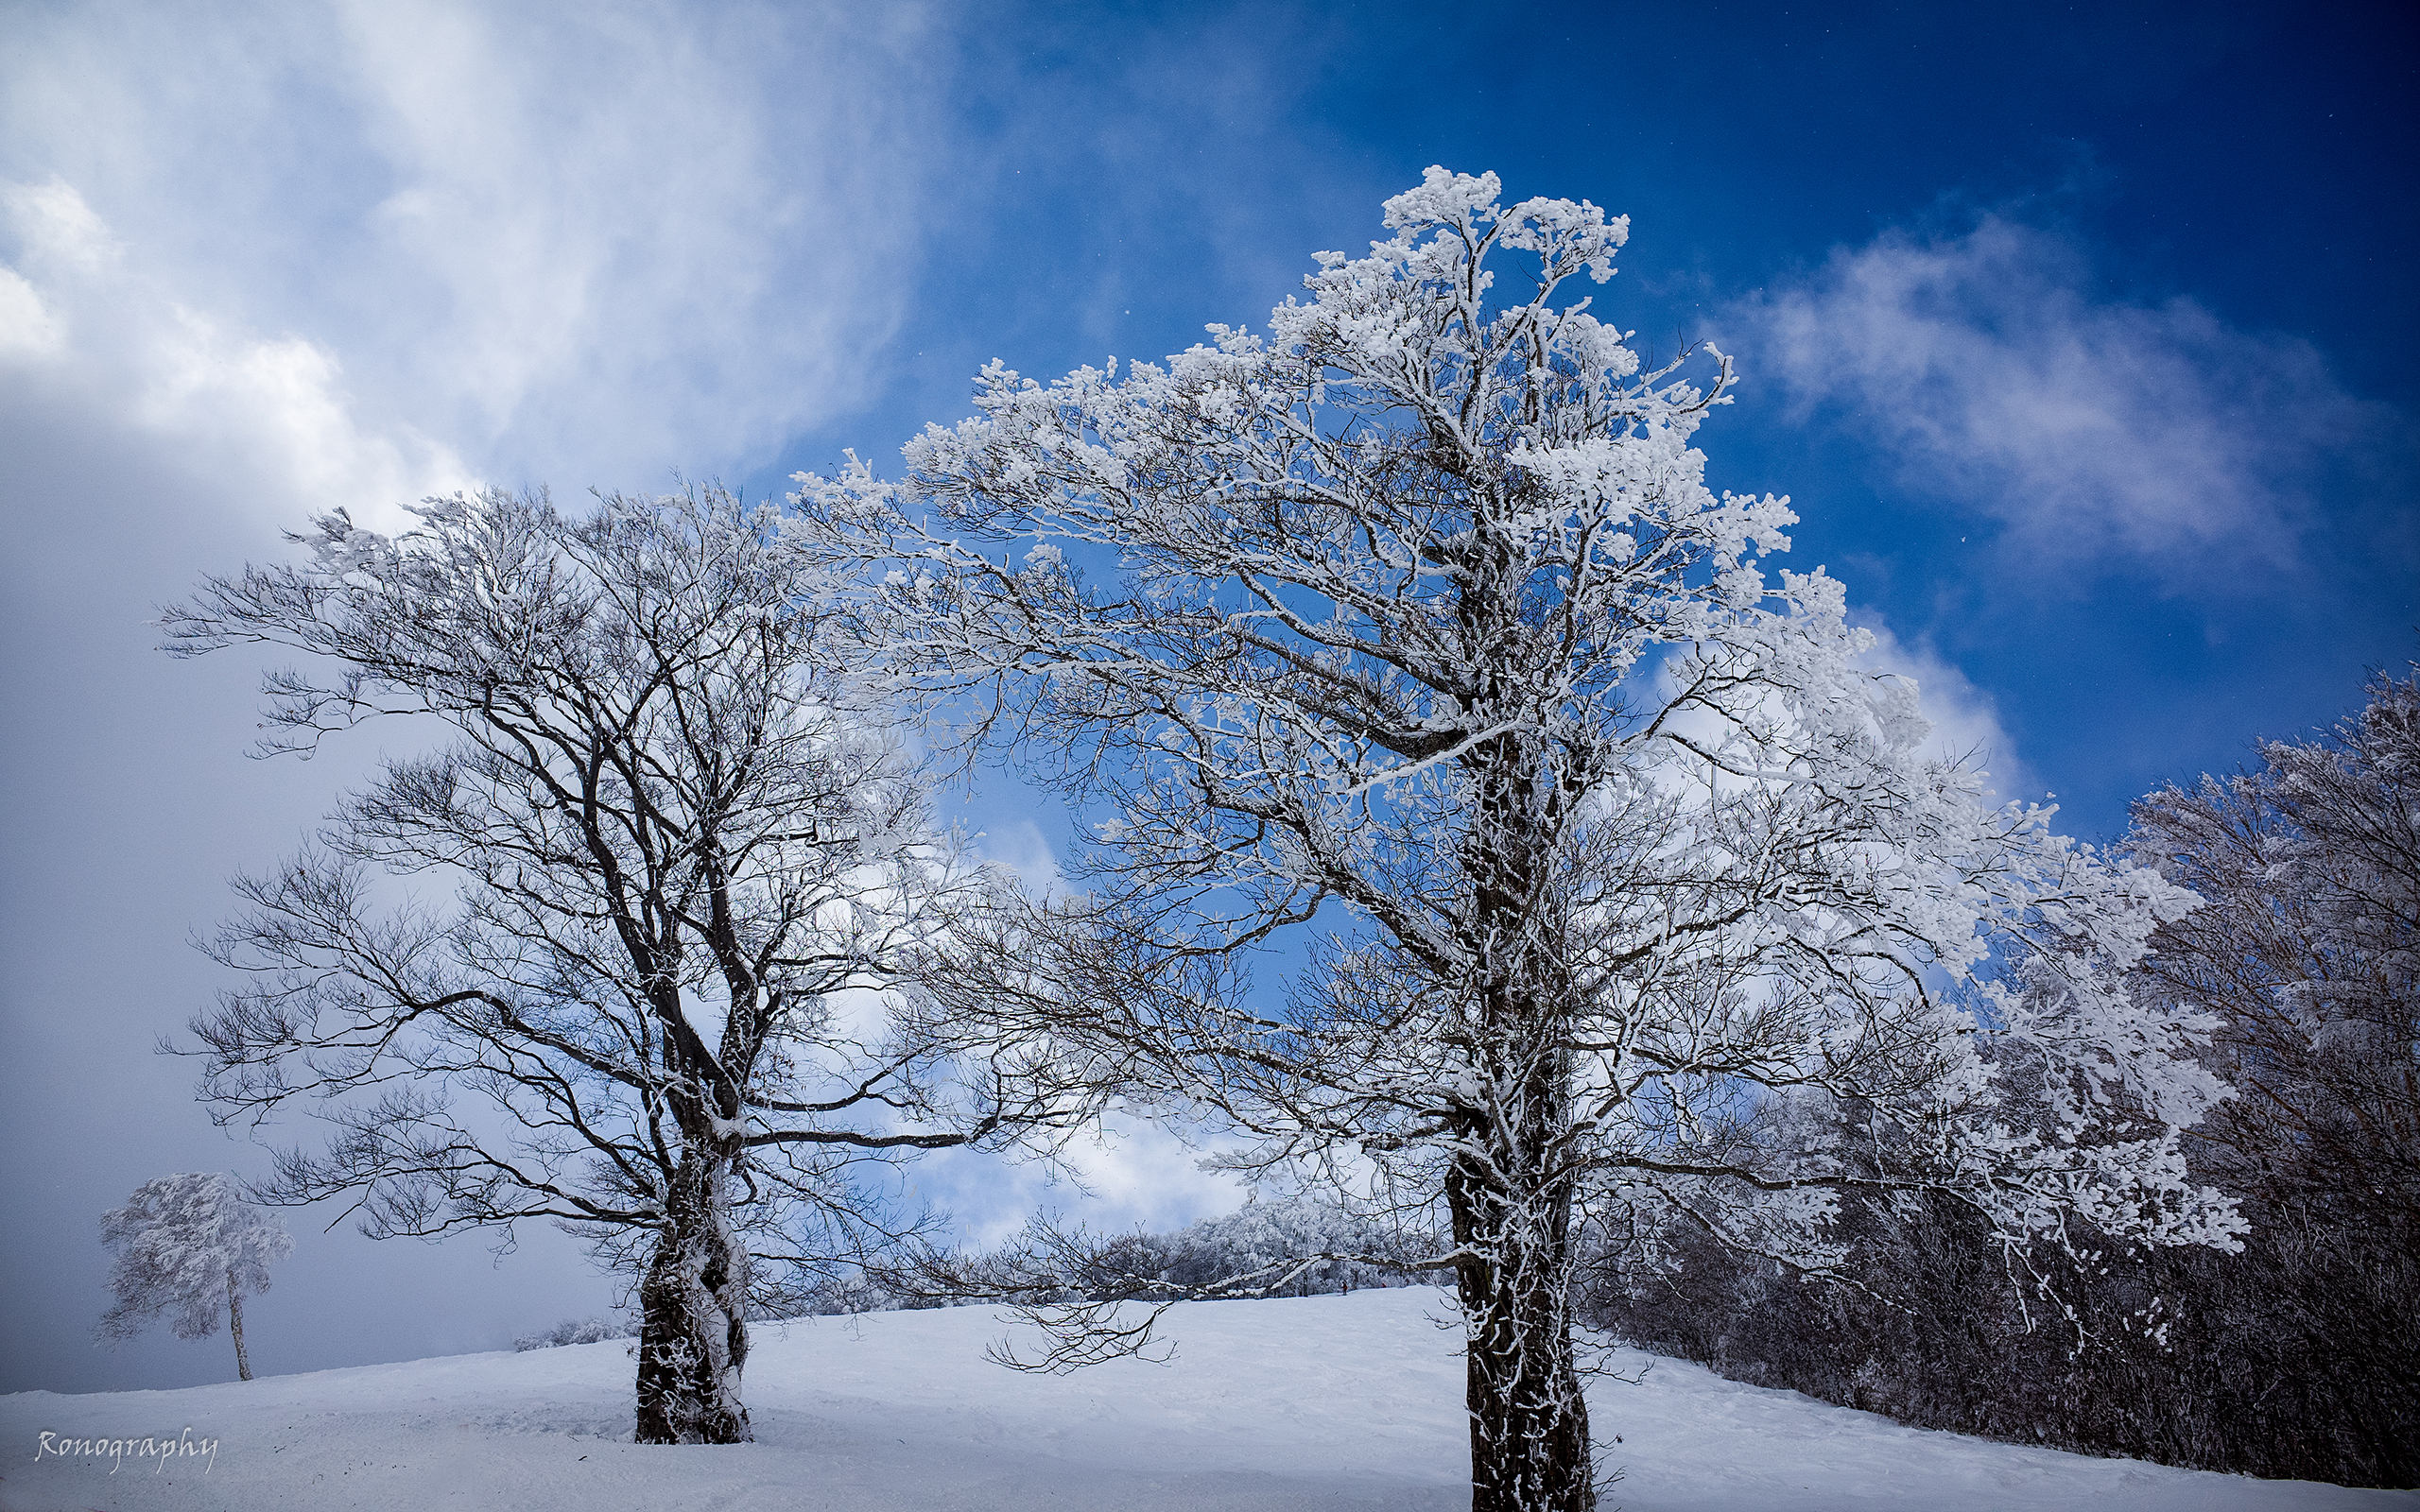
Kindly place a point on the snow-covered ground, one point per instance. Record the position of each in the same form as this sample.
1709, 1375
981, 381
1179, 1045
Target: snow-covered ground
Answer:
1319, 1403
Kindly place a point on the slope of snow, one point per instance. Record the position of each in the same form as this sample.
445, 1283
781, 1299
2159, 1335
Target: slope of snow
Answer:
1317, 1402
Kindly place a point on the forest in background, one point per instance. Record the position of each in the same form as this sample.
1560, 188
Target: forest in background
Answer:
2298, 1357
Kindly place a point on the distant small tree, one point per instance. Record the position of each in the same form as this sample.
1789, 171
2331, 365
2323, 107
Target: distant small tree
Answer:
188, 1245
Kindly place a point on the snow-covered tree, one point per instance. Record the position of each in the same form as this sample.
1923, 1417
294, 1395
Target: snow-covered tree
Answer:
2310, 957
692, 889
1411, 627
1267, 1239
189, 1246
2298, 1357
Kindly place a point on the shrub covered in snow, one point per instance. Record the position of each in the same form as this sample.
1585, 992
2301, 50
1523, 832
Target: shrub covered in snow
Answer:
574, 1331
1263, 1234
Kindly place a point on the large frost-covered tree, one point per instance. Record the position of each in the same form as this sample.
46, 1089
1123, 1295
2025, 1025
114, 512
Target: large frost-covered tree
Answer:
1411, 627
191, 1246
660, 907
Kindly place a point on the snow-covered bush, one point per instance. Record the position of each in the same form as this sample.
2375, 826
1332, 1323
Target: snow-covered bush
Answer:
1260, 1235
574, 1331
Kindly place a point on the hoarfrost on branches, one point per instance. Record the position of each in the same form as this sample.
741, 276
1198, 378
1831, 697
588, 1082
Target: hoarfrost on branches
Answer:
189, 1246
677, 896
2295, 1358
1427, 637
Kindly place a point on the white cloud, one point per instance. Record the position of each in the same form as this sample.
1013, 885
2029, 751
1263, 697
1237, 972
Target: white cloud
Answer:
583, 245
1019, 847
28, 330
2087, 427
269, 414
1966, 719
1130, 1173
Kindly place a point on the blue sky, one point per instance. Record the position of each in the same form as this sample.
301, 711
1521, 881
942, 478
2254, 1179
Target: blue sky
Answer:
2079, 337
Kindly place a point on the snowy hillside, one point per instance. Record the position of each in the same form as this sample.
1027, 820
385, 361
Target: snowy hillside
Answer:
1317, 1402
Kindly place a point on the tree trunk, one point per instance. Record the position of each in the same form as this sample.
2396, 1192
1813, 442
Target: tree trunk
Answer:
1508, 1196
693, 1330
235, 1326
1530, 1449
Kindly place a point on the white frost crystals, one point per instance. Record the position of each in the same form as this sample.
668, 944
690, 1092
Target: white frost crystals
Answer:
190, 1246
1629, 895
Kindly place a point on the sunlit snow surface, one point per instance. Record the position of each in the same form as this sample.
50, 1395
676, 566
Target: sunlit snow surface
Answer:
1319, 1402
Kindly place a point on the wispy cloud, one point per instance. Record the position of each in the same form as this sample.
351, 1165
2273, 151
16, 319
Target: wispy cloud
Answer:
1966, 719
2089, 429
271, 415
587, 245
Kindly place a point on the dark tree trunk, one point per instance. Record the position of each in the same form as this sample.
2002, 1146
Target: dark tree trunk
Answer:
235, 1326
693, 1330
1511, 1206
1530, 1449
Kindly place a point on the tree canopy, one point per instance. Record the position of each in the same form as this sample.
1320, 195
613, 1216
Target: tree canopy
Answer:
663, 908
1411, 627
